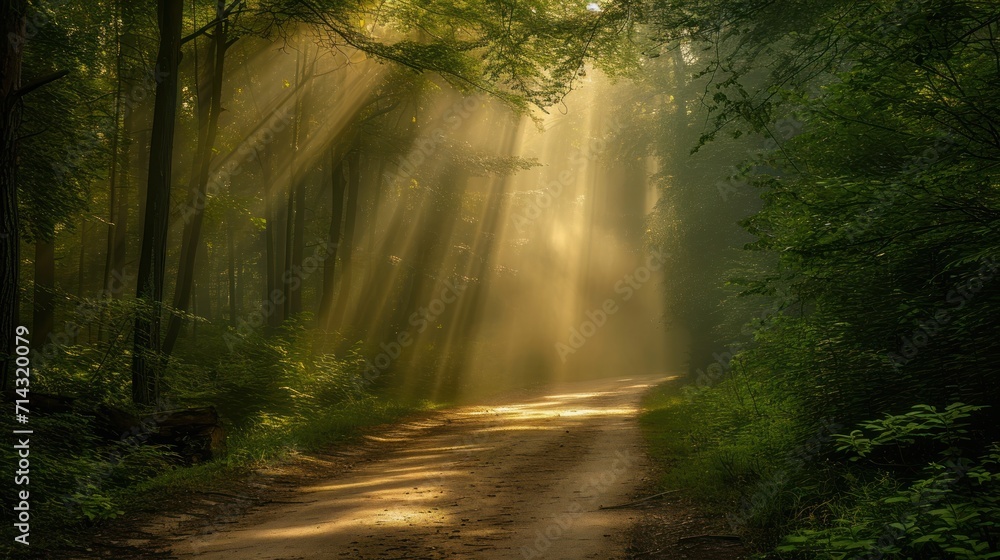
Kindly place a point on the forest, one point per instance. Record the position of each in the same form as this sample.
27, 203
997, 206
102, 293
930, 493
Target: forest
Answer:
637, 279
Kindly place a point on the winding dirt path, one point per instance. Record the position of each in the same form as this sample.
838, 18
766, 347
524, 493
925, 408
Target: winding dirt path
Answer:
521, 479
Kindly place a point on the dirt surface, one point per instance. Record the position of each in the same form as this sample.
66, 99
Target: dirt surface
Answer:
672, 528
521, 479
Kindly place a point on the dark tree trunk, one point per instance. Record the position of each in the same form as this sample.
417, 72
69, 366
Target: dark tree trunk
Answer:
298, 246
240, 291
146, 360
271, 308
286, 269
113, 205
203, 280
81, 260
45, 284
231, 255
119, 250
298, 228
338, 184
12, 32
209, 106
350, 221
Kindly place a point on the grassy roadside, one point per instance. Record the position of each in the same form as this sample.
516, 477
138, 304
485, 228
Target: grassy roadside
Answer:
668, 428
270, 441
274, 440
717, 450
921, 484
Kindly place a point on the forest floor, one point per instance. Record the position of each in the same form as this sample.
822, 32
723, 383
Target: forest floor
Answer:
547, 473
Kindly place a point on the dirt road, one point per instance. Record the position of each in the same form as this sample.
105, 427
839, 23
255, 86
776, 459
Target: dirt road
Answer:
521, 479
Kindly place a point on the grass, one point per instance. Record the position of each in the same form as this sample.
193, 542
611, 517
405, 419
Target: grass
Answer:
268, 441
274, 439
673, 436
723, 449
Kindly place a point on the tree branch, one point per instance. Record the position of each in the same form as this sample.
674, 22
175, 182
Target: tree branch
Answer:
204, 29
39, 82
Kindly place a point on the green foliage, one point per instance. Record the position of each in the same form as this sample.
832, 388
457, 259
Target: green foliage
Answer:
876, 245
75, 475
262, 377
732, 447
525, 53
950, 510
922, 422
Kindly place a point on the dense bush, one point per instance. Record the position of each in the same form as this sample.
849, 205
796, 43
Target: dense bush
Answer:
948, 510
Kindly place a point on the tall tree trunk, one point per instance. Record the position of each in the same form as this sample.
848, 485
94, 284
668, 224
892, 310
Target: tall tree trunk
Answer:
113, 206
271, 308
298, 246
350, 221
45, 284
297, 240
231, 255
338, 187
127, 143
240, 291
286, 268
81, 261
210, 106
372, 217
119, 251
203, 280
12, 33
152, 257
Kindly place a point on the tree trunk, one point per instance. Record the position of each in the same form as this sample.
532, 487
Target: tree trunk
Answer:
113, 205
130, 123
298, 246
270, 248
120, 248
286, 269
231, 255
13, 14
298, 230
152, 256
203, 280
194, 213
44, 305
350, 220
339, 184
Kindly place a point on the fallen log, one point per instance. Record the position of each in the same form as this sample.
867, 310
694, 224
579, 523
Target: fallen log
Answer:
196, 435
116, 424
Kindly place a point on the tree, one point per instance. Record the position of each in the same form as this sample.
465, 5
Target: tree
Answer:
209, 108
13, 13
152, 259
